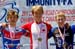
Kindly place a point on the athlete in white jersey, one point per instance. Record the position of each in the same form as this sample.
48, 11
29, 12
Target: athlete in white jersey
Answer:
38, 29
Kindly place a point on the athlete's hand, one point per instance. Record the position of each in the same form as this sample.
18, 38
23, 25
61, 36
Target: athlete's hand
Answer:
4, 25
67, 25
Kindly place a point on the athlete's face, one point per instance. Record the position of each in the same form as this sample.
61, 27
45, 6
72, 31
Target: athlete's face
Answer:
37, 15
60, 20
12, 19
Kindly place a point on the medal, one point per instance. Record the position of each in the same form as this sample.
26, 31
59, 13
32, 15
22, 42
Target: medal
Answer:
62, 37
12, 32
39, 39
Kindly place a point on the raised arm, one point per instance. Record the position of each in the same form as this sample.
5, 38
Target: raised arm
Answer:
73, 28
3, 25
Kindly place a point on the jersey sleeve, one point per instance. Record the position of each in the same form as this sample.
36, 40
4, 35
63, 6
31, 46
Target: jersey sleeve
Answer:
51, 32
73, 28
1, 27
49, 27
27, 28
23, 31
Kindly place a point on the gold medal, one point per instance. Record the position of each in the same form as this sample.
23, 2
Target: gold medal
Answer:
39, 39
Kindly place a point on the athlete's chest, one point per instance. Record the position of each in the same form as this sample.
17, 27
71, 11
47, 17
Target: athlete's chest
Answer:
64, 34
38, 30
12, 32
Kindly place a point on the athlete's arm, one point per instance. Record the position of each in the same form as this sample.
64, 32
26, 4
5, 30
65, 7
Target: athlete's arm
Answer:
27, 28
25, 32
73, 28
2, 25
50, 34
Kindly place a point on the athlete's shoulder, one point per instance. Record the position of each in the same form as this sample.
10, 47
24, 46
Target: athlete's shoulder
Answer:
26, 25
73, 28
3, 25
19, 29
48, 25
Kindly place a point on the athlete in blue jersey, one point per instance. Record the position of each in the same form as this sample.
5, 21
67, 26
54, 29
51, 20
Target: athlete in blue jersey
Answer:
63, 34
10, 33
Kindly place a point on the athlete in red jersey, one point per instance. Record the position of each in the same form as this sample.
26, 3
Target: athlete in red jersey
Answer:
38, 29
